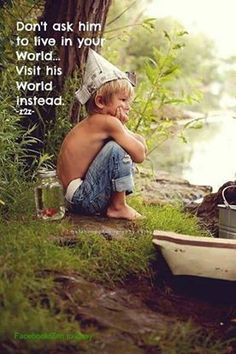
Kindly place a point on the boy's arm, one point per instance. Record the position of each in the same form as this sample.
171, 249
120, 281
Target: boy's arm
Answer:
139, 138
127, 141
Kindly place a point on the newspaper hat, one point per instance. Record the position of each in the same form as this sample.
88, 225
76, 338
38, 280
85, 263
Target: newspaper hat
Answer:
98, 71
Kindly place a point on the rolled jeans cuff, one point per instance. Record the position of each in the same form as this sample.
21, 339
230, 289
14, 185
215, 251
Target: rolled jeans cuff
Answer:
123, 184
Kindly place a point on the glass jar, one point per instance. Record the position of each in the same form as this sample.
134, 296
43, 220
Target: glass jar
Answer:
49, 197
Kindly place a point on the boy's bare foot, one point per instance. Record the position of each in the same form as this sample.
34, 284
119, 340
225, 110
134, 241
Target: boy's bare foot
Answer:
123, 212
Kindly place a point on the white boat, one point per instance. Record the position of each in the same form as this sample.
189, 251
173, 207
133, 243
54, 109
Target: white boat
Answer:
198, 256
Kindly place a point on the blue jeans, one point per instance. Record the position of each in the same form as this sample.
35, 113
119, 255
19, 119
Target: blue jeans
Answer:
111, 171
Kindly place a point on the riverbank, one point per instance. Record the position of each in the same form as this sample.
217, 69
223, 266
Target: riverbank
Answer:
162, 187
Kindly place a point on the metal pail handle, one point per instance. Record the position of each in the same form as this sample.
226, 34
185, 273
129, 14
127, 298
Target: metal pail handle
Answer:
223, 196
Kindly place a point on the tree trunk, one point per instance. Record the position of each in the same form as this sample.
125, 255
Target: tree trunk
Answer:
70, 57
76, 12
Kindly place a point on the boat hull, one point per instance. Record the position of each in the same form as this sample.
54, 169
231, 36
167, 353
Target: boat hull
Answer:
198, 256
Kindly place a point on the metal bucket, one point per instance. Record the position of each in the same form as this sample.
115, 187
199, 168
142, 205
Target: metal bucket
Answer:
227, 218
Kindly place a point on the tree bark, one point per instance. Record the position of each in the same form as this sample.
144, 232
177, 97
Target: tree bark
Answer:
71, 57
76, 12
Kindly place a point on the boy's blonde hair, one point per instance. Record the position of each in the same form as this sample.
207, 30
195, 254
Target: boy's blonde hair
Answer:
107, 91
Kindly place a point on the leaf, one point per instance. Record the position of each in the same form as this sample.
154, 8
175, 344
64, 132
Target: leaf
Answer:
177, 100
147, 27
166, 35
150, 19
183, 138
149, 24
151, 60
150, 73
171, 70
196, 123
178, 46
182, 33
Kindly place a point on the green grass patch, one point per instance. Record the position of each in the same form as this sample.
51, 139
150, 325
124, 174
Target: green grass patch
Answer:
186, 338
167, 218
29, 247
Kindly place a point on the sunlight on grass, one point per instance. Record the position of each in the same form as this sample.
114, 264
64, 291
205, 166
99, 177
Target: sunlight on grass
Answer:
167, 218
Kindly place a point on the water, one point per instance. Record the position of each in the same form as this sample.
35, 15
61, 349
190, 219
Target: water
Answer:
209, 156
49, 201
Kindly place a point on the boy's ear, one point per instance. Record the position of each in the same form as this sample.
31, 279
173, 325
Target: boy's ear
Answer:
99, 101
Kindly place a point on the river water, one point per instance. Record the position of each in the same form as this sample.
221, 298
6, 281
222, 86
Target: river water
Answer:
208, 158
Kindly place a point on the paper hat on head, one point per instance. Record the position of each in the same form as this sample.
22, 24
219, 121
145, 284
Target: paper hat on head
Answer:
98, 71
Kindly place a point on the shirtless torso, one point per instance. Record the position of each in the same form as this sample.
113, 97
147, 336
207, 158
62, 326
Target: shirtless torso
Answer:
86, 139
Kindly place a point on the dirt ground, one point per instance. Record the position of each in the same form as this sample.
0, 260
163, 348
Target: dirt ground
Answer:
208, 303
125, 316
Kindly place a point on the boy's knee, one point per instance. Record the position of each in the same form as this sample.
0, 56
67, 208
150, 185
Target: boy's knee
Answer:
116, 150
113, 146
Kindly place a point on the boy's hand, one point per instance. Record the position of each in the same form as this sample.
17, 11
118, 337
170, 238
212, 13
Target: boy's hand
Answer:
121, 115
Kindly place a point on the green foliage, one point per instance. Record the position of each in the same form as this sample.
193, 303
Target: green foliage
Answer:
13, 147
157, 65
13, 140
17, 10
198, 66
28, 11
156, 91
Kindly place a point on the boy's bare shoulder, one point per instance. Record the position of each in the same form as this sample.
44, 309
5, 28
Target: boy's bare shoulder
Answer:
106, 121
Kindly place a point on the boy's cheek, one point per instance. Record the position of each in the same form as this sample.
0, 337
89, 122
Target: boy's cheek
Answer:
112, 112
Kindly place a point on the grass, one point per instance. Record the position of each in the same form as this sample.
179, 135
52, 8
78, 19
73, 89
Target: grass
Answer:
28, 248
186, 338
167, 218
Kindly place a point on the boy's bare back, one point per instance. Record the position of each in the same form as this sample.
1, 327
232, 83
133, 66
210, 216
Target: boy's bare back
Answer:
86, 139
80, 147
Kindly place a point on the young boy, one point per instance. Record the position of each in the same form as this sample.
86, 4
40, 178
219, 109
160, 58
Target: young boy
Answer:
96, 158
